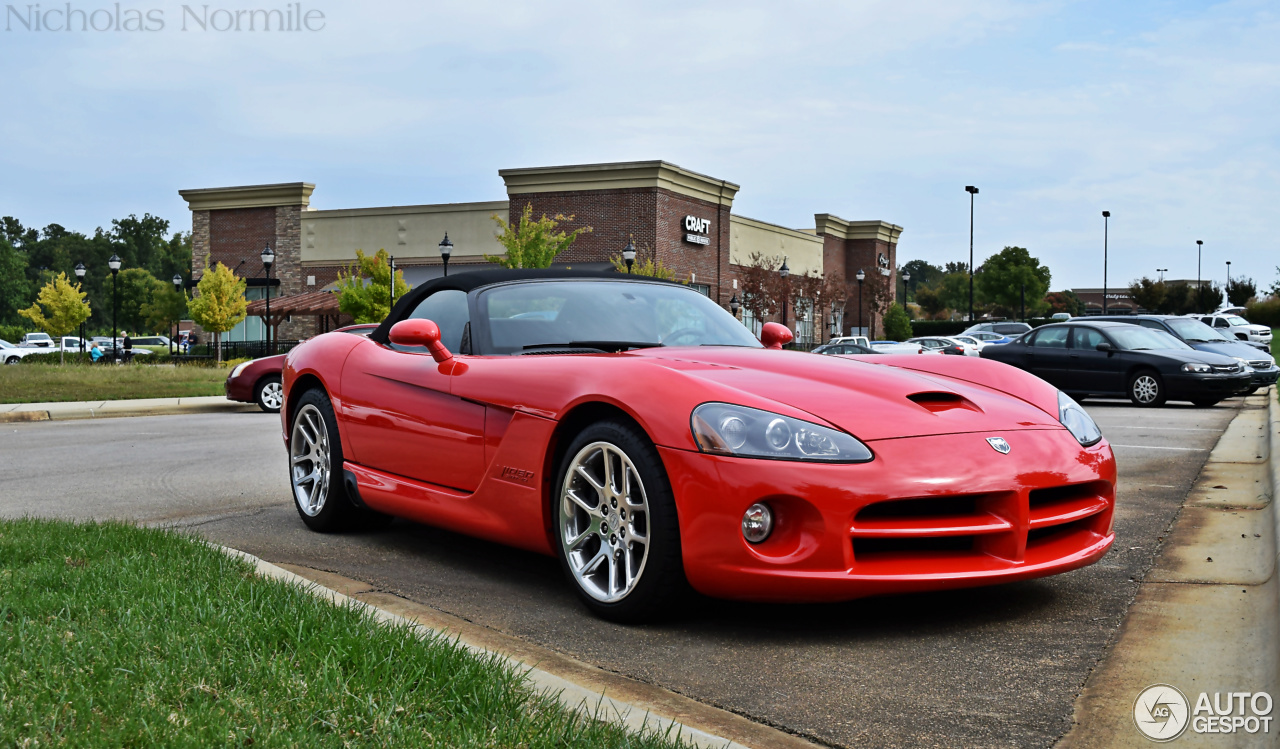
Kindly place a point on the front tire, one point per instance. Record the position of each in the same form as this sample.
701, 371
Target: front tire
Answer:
315, 467
617, 534
1146, 389
269, 394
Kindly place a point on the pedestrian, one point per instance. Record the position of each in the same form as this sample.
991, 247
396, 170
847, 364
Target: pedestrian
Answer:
128, 347
95, 353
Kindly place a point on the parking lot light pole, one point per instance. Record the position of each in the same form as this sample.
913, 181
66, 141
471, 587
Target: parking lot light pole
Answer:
268, 259
906, 287
861, 276
1199, 285
80, 278
1106, 217
177, 286
972, 192
1161, 271
114, 265
784, 271
446, 249
391, 263
1227, 291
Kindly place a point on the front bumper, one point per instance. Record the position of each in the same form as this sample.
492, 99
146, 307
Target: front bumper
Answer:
1264, 377
928, 513
238, 389
1197, 386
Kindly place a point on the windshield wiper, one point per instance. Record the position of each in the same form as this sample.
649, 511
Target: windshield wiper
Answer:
607, 346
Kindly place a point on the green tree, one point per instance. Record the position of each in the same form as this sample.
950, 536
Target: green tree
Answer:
922, 274
1241, 290
167, 306
136, 287
1149, 294
1275, 285
647, 268
930, 301
219, 304
364, 287
897, 326
14, 289
1007, 273
533, 244
64, 309
954, 291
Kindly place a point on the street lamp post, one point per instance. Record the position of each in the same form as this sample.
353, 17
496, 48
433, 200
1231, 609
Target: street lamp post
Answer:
177, 286
446, 249
629, 256
906, 287
1161, 271
734, 305
268, 259
861, 276
392, 265
1227, 291
114, 265
1106, 218
972, 192
80, 278
784, 271
1199, 284
1022, 298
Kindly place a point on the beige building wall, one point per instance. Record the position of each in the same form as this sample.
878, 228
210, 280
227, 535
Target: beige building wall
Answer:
407, 232
802, 250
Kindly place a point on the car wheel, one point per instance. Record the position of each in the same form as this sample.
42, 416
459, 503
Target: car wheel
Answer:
617, 535
1204, 402
269, 394
315, 467
13, 360
1146, 388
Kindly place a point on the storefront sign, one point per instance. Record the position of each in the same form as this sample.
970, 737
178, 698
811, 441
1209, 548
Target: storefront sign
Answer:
701, 226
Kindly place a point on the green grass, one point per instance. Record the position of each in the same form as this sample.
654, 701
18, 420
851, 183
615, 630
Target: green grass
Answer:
117, 636
1274, 343
43, 383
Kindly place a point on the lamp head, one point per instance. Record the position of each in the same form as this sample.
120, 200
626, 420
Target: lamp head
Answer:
906, 276
784, 271
1106, 214
1199, 241
80, 271
734, 305
268, 257
860, 275
971, 189
629, 252
446, 247
177, 281
114, 264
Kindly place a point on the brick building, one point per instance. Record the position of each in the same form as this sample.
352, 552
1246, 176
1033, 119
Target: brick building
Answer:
675, 216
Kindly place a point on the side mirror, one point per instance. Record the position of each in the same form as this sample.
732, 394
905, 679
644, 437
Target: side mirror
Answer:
1105, 346
420, 333
775, 335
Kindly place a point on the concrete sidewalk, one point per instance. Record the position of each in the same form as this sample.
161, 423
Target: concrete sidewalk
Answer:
11, 412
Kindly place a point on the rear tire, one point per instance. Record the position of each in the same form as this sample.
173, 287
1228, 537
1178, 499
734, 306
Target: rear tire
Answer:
315, 467
269, 394
1146, 389
616, 532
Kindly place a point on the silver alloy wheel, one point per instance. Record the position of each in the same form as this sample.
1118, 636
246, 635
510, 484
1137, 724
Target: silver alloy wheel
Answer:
272, 395
604, 522
309, 460
1145, 388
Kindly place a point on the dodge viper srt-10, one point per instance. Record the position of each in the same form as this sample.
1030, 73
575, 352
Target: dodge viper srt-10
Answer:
638, 432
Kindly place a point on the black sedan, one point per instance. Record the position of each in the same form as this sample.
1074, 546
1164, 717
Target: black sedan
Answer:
1109, 358
1201, 337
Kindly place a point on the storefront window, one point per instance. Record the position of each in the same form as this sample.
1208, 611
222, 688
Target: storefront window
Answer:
804, 322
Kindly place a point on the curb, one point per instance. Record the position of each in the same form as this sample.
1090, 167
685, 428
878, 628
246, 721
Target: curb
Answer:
576, 685
72, 410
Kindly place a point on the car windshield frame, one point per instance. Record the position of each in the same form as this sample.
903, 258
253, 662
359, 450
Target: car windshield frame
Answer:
1138, 338
1231, 320
603, 323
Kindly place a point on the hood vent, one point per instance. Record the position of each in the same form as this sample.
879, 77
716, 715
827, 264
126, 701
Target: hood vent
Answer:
938, 401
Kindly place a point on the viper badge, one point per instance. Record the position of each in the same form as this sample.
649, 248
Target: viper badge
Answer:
999, 445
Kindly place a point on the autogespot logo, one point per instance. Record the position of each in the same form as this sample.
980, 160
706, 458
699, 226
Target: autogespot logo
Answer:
1160, 712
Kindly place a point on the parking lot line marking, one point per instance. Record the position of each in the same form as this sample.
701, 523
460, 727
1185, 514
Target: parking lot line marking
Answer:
1166, 429
1159, 447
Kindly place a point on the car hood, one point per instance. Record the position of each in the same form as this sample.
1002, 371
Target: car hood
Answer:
1229, 348
1182, 356
872, 401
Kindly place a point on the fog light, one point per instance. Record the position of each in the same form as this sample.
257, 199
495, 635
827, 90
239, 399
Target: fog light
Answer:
757, 522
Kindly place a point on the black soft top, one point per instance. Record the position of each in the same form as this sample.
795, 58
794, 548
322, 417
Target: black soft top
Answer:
471, 280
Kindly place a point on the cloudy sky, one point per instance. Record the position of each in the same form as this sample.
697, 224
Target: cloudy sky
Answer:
1163, 112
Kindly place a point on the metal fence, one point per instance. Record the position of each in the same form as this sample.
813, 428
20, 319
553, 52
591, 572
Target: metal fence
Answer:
241, 349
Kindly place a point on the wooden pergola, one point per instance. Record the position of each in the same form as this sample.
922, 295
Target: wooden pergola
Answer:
322, 305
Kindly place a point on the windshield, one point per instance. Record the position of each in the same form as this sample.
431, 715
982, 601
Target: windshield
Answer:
595, 314
1134, 338
1236, 320
1195, 331
6, 344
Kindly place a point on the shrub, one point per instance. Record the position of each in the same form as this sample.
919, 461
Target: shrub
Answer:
13, 333
897, 326
1266, 312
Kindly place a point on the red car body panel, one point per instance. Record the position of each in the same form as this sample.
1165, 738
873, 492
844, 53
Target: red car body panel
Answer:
244, 386
470, 445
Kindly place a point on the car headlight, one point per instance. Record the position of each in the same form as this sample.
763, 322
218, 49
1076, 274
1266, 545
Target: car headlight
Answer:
1077, 421
1244, 363
1196, 368
239, 368
725, 429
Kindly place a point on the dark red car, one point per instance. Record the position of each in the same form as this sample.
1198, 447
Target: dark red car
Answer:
258, 380
635, 430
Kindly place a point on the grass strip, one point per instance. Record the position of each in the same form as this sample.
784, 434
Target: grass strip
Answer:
113, 635
48, 383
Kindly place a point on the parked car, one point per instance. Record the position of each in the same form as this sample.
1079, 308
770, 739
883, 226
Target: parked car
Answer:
258, 380
648, 441
894, 347
36, 340
1060, 316
943, 345
105, 344
857, 340
1011, 329
1111, 358
843, 349
1201, 337
989, 338
971, 341
1238, 327
11, 354
151, 340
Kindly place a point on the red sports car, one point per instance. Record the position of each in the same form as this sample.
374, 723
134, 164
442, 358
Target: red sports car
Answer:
637, 431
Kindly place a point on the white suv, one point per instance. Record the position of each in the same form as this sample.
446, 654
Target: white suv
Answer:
1235, 326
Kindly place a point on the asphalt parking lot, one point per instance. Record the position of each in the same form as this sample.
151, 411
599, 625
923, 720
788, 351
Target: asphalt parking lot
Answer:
988, 667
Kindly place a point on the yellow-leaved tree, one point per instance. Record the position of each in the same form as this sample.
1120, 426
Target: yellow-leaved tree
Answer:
64, 308
533, 243
219, 304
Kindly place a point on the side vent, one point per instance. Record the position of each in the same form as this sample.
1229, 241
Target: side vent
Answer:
938, 401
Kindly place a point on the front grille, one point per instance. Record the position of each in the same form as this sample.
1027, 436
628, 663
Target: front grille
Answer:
1226, 368
1261, 364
